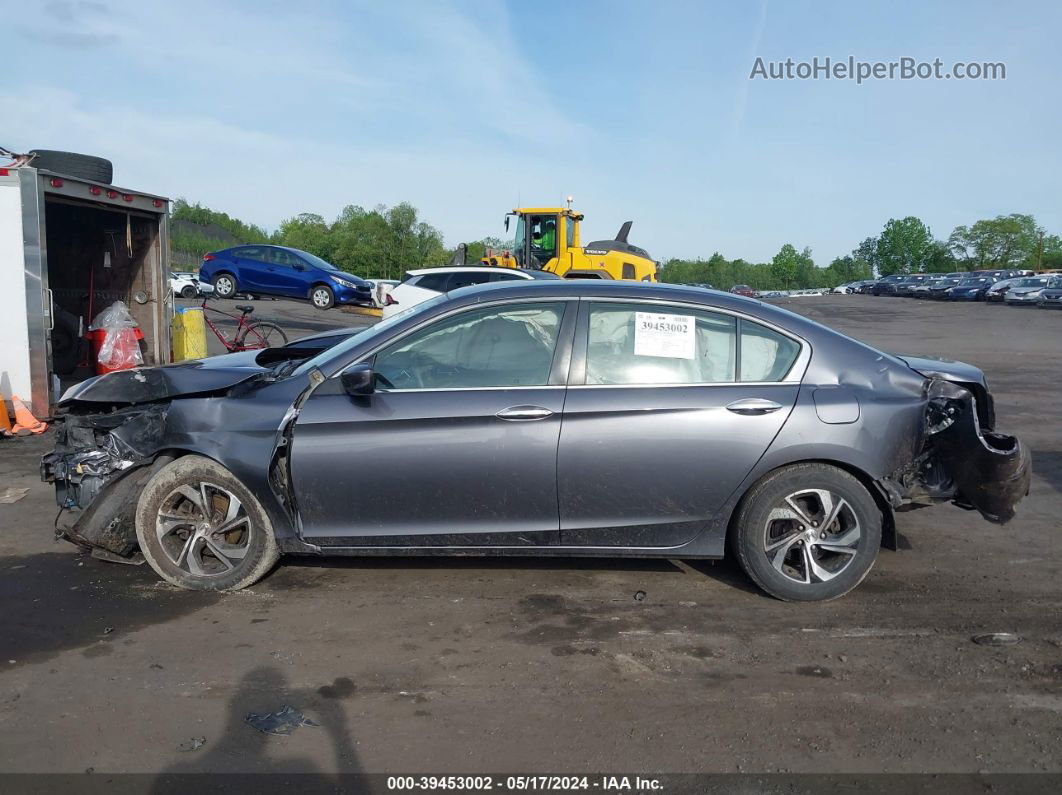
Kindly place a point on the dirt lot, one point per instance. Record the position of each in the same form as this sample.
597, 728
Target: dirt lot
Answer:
512, 665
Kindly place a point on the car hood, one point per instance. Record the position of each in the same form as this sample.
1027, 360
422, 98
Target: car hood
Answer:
150, 384
1024, 290
947, 369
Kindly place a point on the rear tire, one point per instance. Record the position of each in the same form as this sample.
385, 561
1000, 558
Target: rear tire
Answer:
322, 297
224, 285
262, 334
181, 521
807, 533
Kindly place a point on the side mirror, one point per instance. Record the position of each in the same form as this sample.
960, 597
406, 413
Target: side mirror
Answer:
299, 266
358, 380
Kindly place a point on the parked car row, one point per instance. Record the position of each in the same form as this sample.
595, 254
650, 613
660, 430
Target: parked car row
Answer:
1015, 287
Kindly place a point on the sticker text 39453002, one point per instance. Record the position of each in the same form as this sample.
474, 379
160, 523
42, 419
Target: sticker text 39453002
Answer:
671, 336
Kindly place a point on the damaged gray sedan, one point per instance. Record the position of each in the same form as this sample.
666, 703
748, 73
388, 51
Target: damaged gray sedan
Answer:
547, 418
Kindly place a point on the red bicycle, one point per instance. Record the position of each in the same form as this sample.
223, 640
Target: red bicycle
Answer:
249, 336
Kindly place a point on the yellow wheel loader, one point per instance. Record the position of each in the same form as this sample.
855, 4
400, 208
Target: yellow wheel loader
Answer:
547, 238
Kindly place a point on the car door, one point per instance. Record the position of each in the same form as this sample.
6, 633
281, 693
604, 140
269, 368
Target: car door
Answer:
284, 273
252, 266
668, 410
456, 446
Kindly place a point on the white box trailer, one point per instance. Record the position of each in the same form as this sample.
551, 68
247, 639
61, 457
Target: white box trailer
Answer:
70, 247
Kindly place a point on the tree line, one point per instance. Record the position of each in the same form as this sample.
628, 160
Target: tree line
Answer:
905, 245
384, 242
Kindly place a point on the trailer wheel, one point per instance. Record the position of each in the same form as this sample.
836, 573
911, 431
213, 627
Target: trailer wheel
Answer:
93, 169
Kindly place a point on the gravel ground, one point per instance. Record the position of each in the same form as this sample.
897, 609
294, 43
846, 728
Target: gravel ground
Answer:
526, 665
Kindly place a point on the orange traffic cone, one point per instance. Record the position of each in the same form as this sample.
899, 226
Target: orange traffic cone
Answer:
24, 421
5, 421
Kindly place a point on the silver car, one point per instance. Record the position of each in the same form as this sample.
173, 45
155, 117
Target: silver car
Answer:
536, 418
1026, 292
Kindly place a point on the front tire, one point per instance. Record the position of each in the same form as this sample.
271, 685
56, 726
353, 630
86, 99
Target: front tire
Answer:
200, 528
224, 285
807, 533
322, 296
188, 291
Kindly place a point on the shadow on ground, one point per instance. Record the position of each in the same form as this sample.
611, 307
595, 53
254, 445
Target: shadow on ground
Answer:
726, 571
66, 600
245, 749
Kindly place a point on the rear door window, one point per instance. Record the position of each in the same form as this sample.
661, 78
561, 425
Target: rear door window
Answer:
250, 252
650, 344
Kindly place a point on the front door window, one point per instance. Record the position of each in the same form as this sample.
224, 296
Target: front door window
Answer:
500, 347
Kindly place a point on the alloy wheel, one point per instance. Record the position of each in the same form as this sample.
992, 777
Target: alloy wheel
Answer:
321, 299
203, 529
224, 286
811, 536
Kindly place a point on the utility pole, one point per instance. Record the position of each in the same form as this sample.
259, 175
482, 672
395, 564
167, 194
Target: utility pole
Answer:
1040, 253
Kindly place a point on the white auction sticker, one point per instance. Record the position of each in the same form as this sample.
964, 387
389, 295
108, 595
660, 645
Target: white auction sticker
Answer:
672, 336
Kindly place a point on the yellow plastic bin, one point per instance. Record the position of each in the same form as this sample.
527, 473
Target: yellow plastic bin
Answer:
189, 334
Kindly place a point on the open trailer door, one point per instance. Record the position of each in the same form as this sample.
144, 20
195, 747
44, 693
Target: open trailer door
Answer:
86, 246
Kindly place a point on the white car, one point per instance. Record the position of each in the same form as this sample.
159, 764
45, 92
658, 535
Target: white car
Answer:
380, 289
187, 285
424, 283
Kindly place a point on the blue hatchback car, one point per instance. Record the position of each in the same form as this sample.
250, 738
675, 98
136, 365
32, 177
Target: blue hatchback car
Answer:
261, 269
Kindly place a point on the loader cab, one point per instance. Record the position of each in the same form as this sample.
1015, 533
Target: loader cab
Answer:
543, 237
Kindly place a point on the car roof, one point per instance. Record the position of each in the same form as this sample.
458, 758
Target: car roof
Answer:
476, 269
608, 289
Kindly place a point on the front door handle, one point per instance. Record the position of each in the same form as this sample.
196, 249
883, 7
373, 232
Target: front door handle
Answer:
524, 413
753, 406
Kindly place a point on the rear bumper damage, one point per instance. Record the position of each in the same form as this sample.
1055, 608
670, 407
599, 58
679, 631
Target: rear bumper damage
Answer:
963, 460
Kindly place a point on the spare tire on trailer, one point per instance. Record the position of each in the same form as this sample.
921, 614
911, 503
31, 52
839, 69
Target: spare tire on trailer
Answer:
87, 167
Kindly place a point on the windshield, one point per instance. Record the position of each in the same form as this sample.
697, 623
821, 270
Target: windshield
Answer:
357, 339
972, 282
1030, 282
1055, 282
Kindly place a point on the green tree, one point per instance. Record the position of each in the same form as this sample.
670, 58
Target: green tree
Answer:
204, 216
866, 254
1006, 241
904, 246
784, 266
308, 232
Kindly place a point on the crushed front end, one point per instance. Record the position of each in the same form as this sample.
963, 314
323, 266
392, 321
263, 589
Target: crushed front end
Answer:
98, 466
963, 459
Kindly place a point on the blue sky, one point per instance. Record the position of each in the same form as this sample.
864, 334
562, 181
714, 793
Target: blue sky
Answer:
641, 111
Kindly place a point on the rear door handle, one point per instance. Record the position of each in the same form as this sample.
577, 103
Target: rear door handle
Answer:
524, 413
753, 406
